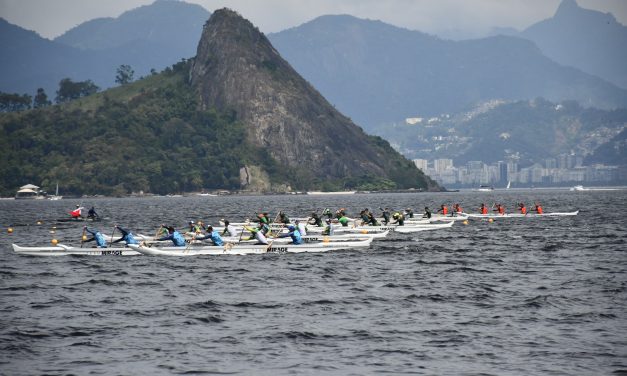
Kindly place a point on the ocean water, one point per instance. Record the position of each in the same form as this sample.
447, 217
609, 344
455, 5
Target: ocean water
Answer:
513, 297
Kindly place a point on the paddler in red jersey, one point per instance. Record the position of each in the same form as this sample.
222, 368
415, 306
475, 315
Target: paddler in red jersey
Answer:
443, 209
457, 209
483, 209
500, 209
77, 213
522, 208
538, 208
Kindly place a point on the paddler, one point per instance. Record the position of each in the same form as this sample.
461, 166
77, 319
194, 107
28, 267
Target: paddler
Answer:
175, 236
372, 221
343, 220
100, 240
212, 235
500, 209
92, 214
385, 215
538, 208
399, 219
294, 234
364, 217
315, 220
443, 209
483, 209
409, 213
283, 218
328, 231
522, 208
457, 209
257, 233
427, 213
77, 213
302, 228
127, 236
228, 229
195, 228
328, 213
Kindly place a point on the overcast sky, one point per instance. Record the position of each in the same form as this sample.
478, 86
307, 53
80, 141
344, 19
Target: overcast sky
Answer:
51, 18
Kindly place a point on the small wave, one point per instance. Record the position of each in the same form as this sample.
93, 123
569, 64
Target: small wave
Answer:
319, 302
256, 305
209, 319
206, 304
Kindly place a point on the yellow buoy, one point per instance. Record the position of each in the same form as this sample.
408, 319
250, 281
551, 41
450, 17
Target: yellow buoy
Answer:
490, 220
84, 237
325, 239
10, 230
38, 222
465, 222
54, 241
364, 231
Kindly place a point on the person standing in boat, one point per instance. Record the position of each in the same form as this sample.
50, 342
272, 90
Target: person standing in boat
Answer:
212, 235
127, 236
91, 214
522, 208
174, 236
77, 213
399, 218
483, 209
538, 208
427, 213
100, 240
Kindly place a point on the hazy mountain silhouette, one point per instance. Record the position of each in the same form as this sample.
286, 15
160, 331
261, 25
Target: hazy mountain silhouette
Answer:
586, 39
378, 73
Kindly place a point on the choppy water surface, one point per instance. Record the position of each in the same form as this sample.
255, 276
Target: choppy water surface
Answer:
513, 297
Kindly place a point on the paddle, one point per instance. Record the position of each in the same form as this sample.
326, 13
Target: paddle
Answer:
83, 237
112, 232
243, 228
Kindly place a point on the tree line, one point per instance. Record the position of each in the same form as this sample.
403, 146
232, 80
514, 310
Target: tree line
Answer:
68, 91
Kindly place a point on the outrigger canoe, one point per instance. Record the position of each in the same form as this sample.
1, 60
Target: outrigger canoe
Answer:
518, 215
247, 249
393, 228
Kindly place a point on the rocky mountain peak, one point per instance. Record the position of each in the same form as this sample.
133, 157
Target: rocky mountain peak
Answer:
238, 69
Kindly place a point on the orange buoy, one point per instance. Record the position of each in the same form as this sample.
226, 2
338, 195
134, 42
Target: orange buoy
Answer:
10, 230
54, 241
465, 222
84, 237
490, 220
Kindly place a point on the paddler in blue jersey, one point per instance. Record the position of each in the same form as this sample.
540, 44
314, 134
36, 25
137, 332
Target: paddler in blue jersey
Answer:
100, 240
127, 236
294, 234
212, 235
175, 236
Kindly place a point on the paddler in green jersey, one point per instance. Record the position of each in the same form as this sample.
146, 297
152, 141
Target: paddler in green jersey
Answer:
343, 220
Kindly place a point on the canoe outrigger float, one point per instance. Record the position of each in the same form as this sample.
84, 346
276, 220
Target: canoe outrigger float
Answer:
65, 250
519, 215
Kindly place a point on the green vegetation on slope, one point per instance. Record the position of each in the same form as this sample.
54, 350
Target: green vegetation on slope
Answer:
148, 135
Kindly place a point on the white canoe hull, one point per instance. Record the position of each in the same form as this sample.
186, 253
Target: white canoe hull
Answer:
247, 249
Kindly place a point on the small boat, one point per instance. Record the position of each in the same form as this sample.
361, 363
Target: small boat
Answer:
519, 215
247, 249
578, 188
331, 193
485, 188
56, 196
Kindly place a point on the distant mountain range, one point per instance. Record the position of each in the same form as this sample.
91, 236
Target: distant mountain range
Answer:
149, 37
375, 73
585, 39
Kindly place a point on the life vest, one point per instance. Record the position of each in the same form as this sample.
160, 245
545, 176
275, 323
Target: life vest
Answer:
458, 209
501, 209
444, 210
539, 209
523, 210
484, 210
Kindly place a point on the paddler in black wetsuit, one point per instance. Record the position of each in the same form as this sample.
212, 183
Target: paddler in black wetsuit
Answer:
427, 213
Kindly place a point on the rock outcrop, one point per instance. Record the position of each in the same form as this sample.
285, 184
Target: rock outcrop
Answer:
237, 69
